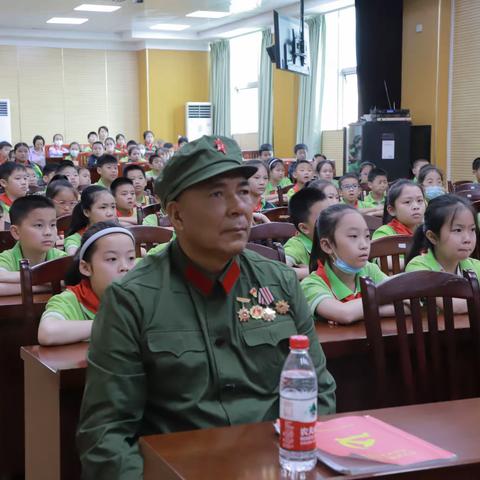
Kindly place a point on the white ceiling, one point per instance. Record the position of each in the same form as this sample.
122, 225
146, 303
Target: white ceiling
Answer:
24, 21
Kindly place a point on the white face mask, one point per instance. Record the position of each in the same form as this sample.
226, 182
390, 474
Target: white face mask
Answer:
74, 153
58, 143
142, 151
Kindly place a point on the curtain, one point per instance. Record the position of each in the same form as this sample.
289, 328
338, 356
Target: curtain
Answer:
265, 91
379, 27
220, 86
311, 88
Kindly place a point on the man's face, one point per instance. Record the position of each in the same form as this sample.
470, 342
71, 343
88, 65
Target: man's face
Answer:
213, 218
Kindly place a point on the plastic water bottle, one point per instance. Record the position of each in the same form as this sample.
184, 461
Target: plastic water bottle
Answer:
298, 409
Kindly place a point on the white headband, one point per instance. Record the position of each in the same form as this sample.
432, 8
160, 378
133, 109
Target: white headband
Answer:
100, 234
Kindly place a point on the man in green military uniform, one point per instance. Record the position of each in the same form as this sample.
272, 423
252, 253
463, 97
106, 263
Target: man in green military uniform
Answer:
197, 335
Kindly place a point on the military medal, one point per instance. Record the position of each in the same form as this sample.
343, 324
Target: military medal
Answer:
265, 296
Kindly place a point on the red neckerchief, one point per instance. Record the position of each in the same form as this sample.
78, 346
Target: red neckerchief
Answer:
323, 275
7, 201
258, 207
296, 188
400, 228
85, 295
149, 146
205, 284
120, 214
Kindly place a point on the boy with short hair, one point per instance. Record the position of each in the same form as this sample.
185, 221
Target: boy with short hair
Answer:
97, 151
301, 152
92, 137
34, 226
32, 178
417, 166
350, 190
266, 152
136, 174
302, 174
5, 149
14, 180
304, 209
124, 193
156, 165
107, 168
476, 169
378, 184
49, 171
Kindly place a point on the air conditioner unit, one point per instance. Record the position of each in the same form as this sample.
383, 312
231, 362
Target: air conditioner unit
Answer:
198, 119
5, 121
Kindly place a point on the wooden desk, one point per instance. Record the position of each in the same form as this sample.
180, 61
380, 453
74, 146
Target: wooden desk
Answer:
251, 451
54, 382
14, 332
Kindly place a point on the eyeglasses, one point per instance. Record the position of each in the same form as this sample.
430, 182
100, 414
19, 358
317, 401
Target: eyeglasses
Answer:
63, 203
349, 186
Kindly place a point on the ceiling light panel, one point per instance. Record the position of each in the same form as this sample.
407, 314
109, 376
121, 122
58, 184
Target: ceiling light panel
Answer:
207, 14
67, 20
88, 7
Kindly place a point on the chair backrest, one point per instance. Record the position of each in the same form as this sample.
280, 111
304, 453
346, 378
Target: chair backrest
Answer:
472, 194
391, 251
147, 210
47, 273
148, 237
268, 233
282, 195
373, 222
463, 185
425, 344
279, 214
273, 253
6, 241
63, 223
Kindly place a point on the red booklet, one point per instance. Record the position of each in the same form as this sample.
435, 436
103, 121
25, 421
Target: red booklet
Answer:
361, 444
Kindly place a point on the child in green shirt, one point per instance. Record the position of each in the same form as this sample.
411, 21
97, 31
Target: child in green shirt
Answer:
304, 209
136, 174
405, 207
124, 194
449, 237
34, 227
107, 252
302, 173
378, 184
68, 169
107, 168
363, 171
96, 205
157, 162
277, 178
341, 246
14, 180
418, 164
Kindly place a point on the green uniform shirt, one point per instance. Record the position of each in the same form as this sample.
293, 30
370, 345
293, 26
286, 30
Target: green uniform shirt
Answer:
383, 231
72, 241
101, 183
429, 262
284, 182
151, 220
298, 249
166, 357
316, 290
66, 306
370, 202
10, 259
151, 174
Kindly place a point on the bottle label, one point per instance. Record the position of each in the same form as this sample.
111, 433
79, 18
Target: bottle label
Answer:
297, 424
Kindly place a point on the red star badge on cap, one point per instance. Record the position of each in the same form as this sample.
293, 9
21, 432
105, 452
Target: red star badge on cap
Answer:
220, 146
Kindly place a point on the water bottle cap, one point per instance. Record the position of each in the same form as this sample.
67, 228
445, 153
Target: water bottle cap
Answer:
299, 341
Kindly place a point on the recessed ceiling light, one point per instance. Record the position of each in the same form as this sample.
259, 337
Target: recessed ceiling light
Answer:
67, 20
175, 27
207, 14
239, 6
88, 7
237, 32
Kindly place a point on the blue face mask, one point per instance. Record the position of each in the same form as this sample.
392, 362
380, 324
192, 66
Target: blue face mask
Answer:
345, 267
434, 192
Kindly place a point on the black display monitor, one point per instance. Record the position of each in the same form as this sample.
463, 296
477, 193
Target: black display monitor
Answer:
291, 49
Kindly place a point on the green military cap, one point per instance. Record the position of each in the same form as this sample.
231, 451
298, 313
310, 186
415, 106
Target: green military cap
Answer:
197, 161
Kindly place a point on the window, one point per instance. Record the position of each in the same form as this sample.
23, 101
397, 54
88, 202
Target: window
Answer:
340, 94
244, 71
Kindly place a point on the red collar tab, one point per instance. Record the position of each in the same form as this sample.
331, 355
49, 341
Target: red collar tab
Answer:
323, 275
220, 146
400, 228
201, 282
